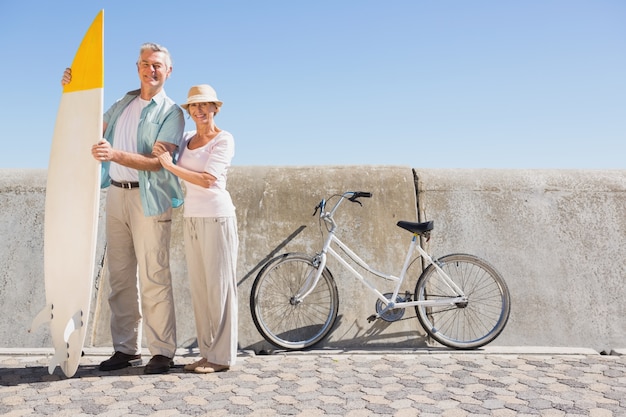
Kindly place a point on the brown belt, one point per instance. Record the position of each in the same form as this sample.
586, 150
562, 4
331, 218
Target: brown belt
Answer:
126, 185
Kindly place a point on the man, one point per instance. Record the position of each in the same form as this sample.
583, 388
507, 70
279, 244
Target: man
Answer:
138, 214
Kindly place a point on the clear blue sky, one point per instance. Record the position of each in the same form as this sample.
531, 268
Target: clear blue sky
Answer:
422, 83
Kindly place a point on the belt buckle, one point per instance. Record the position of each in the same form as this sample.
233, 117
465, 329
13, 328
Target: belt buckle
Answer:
127, 185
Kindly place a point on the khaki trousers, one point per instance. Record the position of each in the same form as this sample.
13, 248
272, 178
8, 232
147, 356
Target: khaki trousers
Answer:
211, 245
139, 273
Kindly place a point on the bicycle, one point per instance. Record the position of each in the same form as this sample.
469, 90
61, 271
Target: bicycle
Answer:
460, 300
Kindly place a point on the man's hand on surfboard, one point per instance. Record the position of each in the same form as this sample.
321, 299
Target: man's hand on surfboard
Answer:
102, 151
67, 76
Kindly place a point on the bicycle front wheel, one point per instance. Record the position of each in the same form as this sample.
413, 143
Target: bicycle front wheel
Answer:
280, 318
464, 325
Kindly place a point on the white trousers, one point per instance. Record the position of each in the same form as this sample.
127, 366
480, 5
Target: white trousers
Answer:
138, 260
211, 245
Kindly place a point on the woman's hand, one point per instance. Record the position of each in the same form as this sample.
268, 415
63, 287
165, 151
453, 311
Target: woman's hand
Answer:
162, 152
166, 160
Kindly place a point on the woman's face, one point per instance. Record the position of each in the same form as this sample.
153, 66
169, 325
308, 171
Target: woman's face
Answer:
202, 112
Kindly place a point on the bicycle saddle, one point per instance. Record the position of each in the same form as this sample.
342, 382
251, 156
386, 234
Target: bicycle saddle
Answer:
417, 228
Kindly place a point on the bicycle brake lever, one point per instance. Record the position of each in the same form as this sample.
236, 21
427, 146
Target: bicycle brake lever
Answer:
319, 206
354, 199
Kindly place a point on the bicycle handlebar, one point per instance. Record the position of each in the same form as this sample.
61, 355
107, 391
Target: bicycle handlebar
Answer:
357, 194
353, 197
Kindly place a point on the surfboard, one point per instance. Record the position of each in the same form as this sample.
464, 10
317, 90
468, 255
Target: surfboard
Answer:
72, 204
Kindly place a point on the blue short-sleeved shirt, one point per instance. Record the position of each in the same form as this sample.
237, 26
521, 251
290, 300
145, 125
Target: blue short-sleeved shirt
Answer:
161, 121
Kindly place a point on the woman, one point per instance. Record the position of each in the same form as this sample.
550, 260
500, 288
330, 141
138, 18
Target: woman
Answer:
210, 230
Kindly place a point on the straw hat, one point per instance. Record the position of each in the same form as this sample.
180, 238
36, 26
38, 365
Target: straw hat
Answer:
202, 93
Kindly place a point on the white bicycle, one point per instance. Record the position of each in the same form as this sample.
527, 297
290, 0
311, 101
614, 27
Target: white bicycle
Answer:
461, 301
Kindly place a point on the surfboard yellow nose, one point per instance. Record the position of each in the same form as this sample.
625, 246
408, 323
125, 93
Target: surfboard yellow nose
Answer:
87, 68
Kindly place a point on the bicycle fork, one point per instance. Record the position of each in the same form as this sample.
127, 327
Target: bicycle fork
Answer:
313, 277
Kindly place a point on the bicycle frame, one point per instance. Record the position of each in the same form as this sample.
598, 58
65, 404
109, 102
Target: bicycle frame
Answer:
321, 258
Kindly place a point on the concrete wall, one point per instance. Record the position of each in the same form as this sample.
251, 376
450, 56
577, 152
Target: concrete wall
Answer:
558, 238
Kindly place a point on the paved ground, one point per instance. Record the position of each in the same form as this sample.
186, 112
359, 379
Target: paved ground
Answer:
492, 382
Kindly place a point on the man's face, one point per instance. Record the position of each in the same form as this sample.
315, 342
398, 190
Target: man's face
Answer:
153, 69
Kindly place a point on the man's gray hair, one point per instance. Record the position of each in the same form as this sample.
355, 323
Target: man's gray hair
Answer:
155, 47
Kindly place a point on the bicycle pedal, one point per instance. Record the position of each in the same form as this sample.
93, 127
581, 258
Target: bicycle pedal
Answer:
372, 318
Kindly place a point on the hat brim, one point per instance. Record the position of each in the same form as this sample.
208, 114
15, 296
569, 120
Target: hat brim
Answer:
186, 105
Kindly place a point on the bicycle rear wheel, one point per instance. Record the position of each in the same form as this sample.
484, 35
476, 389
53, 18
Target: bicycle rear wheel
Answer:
469, 325
281, 319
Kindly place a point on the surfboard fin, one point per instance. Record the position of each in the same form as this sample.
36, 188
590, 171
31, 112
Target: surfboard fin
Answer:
44, 316
69, 363
60, 356
73, 324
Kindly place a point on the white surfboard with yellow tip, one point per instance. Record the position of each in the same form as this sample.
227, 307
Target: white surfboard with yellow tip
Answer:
72, 204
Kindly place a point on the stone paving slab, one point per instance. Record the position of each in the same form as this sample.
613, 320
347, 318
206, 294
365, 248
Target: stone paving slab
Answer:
333, 383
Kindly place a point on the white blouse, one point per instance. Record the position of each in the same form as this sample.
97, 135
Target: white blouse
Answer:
213, 158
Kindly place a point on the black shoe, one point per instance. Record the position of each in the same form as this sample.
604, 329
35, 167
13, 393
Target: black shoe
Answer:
119, 360
159, 364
